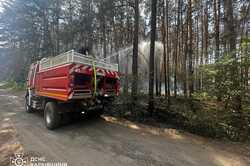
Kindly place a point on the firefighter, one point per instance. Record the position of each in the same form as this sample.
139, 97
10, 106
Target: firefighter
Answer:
84, 50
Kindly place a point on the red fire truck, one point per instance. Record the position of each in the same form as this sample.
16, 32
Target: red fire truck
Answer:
70, 82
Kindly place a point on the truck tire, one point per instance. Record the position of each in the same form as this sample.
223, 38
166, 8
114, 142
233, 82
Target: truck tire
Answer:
28, 108
51, 115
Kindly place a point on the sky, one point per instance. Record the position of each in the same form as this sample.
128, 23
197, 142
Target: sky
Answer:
1, 2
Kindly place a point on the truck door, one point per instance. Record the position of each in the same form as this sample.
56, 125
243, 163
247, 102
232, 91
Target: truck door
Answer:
32, 76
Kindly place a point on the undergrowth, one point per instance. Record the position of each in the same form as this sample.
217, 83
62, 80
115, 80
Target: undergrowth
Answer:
203, 117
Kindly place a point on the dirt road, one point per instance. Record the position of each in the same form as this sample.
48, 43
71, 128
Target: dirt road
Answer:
96, 142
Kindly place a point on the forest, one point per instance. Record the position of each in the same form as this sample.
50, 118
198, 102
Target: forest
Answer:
184, 62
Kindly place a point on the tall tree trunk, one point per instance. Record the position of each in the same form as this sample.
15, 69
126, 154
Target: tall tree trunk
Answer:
126, 87
135, 53
247, 50
217, 28
156, 78
217, 37
197, 86
206, 33
152, 51
176, 49
71, 38
230, 34
104, 38
160, 82
185, 83
181, 45
164, 47
190, 49
47, 49
57, 27
168, 50
202, 47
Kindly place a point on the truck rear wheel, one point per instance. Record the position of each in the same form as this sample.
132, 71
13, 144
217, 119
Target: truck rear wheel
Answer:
51, 115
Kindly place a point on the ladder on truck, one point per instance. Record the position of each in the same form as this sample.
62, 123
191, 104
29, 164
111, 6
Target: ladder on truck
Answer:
75, 57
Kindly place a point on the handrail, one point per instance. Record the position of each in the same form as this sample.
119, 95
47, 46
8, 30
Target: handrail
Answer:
75, 57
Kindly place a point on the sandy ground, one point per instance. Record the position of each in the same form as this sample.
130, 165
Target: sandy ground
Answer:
106, 142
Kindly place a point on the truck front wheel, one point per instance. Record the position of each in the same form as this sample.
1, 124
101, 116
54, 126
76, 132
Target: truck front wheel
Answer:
51, 115
28, 108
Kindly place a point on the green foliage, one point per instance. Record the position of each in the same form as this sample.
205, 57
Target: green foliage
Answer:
11, 84
226, 79
245, 42
202, 96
